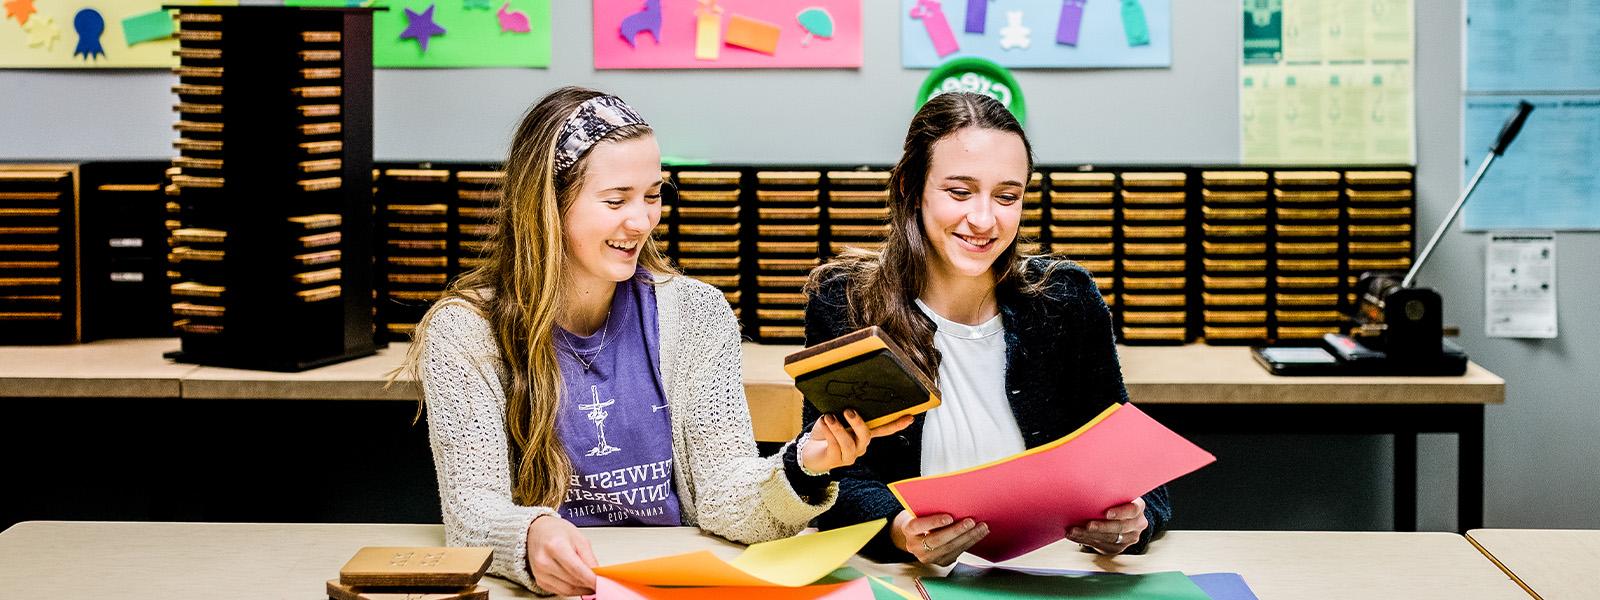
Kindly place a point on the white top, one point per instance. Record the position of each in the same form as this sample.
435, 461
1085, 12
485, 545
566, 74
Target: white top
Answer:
724, 486
973, 423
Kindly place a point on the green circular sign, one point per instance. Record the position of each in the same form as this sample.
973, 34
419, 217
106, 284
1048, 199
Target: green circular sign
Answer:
977, 75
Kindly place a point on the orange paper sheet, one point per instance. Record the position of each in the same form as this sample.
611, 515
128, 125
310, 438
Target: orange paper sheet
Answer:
745, 32
607, 589
1030, 499
791, 562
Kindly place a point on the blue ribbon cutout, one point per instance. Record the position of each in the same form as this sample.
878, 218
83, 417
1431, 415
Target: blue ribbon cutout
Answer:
90, 25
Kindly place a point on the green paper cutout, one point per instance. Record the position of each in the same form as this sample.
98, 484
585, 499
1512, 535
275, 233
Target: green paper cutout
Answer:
147, 27
1133, 23
816, 22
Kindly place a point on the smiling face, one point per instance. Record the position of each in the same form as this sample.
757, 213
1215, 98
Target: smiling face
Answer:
615, 210
972, 200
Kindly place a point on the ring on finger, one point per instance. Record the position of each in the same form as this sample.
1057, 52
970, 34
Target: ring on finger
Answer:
1119, 538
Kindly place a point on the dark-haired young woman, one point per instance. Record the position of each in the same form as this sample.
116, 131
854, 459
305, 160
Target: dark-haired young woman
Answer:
1021, 348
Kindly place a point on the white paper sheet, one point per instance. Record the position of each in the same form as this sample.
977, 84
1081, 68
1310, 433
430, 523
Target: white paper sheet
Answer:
1520, 285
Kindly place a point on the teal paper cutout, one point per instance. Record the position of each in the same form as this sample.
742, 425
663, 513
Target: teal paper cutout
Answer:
1133, 23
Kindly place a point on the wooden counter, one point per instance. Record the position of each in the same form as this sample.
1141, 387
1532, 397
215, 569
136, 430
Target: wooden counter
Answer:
104, 369
1194, 374
111, 561
1195, 389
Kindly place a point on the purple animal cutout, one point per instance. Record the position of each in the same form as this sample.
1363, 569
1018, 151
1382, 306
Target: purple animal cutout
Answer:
648, 19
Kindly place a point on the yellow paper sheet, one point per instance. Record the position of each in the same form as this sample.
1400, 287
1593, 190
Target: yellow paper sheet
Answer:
790, 562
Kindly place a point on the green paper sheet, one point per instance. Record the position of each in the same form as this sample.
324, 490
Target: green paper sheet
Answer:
1011, 585
473, 36
882, 588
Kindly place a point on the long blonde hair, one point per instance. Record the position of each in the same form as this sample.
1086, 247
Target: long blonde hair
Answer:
519, 289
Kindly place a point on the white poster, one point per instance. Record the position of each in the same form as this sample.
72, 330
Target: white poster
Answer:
1520, 285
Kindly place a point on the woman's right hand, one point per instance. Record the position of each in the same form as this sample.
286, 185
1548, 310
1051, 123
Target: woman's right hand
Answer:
837, 442
935, 539
559, 557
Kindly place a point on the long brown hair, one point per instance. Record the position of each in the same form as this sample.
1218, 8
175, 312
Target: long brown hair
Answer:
519, 289
882, 285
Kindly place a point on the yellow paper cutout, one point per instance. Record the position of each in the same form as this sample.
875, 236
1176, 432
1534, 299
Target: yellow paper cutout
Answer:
708, 30
790, 562
42, 32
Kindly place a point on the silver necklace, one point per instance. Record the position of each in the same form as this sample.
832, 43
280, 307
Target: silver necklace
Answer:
596, 352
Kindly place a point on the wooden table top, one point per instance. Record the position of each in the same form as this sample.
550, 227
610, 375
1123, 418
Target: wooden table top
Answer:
109, 368
1193, 374
108, 561
1552, 564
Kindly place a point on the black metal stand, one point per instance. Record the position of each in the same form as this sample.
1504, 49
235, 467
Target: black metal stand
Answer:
275, 182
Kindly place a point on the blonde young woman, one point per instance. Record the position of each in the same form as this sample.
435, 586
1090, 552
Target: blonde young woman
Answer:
575, 380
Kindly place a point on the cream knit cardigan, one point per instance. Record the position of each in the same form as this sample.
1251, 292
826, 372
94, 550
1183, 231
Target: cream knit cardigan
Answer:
723, 486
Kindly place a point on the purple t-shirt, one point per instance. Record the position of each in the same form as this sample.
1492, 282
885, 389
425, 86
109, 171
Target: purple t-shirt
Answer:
614, 419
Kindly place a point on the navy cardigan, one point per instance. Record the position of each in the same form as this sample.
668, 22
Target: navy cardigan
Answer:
1061, 371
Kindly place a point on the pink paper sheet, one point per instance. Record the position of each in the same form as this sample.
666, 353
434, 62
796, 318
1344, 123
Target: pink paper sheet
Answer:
1030, 500
676, 49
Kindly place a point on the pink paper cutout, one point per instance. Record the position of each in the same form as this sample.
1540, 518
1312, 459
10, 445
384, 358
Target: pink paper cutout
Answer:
1030, 500
932, 15
513, 21
648, 19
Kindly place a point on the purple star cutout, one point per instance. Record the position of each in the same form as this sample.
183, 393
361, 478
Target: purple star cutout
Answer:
420, 27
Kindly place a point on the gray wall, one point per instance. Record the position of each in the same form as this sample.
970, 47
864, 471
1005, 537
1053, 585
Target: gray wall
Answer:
1543, 468
1186, 114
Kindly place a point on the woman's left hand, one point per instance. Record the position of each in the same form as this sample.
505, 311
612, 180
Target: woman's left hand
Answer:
1121, 528
837, 442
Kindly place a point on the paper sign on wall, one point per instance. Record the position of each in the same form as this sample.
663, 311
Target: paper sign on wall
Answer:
94, 34
727, 34
1520, 285
1037, 34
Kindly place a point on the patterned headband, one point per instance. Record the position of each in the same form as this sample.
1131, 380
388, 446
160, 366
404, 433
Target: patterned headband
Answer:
596, 118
